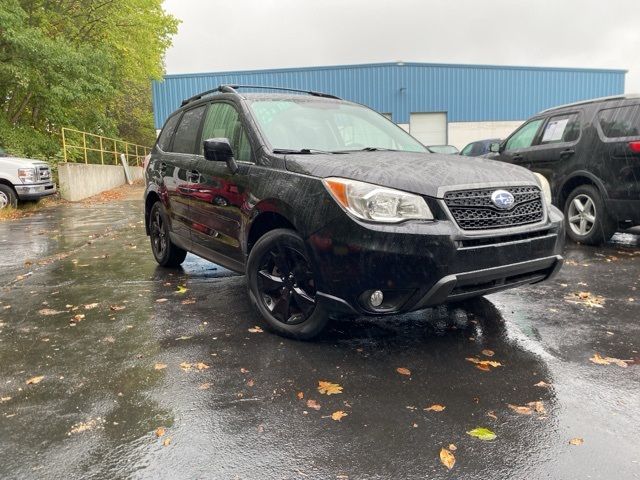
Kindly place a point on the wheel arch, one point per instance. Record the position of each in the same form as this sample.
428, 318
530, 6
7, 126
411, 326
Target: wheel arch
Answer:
574, 181
264, 222
151, 198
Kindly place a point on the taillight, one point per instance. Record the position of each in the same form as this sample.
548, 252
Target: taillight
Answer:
635, 147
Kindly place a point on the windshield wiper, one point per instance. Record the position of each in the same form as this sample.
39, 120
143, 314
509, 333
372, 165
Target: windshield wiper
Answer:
302, 151
369, 149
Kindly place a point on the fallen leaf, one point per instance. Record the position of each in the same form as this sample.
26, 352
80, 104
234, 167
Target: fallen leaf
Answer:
313, 404
300, 395
447, 458
576, 441
243, 370
339, 415
167, 442
587, 299
538, 406
182, 289
35, 380
484, 368
256, 329
329, 388
482, 433
250, 383
542, 384
522, 410
452, 447
185, 366
161, 300
491, 414
201, 366
599, 360
488, 353
4, 399
485, 363
403, 371
48, 312
160, 366
160, 432
91, 306
435, 408
117, 308
84, 426
204, 386
188, 301
79, 317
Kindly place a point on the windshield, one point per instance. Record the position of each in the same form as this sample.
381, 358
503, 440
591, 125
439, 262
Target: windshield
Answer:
448, 149
328, 127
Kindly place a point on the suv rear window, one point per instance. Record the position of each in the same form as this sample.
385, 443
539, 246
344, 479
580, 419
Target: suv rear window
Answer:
164, 141
620, 122
184, 140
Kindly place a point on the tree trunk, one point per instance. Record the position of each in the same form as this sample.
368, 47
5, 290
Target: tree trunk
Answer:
16, 116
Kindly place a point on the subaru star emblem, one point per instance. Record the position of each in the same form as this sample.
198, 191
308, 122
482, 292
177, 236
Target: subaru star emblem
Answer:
502, 199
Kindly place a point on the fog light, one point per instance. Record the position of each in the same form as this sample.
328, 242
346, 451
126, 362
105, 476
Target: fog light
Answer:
376, 298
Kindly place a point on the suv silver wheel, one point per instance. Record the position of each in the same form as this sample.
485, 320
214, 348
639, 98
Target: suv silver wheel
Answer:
4, 200
582, 214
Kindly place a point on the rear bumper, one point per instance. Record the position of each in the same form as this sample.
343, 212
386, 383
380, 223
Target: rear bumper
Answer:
423, 265
35, 192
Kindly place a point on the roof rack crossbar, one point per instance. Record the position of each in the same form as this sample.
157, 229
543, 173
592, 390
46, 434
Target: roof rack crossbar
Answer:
233, 88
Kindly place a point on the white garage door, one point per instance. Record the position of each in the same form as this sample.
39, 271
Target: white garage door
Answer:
429, 128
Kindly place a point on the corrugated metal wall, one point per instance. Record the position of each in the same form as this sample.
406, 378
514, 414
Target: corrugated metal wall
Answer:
466, 92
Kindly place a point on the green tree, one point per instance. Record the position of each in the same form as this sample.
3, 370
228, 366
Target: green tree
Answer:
82, 64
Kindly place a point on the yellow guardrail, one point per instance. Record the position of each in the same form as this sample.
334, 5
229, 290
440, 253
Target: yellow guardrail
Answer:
85, 147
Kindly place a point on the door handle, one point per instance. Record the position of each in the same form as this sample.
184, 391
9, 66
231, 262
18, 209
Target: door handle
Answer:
567, 153
518, 158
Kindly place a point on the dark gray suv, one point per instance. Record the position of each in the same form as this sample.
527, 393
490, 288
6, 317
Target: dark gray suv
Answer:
590, 154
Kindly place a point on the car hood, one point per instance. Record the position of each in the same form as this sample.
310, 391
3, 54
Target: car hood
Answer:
20, 162
423, 173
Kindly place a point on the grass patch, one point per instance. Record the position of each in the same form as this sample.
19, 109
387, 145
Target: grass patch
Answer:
26, 209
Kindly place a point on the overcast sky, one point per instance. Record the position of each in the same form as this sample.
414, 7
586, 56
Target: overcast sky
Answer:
253, 34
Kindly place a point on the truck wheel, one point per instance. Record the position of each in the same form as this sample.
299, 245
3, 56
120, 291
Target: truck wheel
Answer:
165, 252
586, 218
282, 287
8, 197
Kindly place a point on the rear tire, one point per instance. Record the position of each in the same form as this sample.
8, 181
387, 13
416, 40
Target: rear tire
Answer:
586, 218
166, 253
8, 197
281, 285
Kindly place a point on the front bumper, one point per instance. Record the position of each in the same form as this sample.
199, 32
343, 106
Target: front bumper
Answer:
420, 265
35, 191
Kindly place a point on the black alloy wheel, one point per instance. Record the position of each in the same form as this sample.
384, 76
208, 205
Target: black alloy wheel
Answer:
282, 287
285, 283
165, 252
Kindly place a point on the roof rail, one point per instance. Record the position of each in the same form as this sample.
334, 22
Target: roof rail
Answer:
233, 88
592, 100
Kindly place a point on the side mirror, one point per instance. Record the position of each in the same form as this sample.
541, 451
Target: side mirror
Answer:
494, 147
219, 150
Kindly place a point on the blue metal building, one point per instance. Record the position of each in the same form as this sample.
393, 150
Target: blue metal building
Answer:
479, 95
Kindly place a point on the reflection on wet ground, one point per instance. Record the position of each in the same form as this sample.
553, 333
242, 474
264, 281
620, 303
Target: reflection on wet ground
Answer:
124, 352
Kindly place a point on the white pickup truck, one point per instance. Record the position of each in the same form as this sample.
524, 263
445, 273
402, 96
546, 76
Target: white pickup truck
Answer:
23, 179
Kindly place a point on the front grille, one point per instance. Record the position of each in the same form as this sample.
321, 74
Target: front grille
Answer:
44, 173
474, 210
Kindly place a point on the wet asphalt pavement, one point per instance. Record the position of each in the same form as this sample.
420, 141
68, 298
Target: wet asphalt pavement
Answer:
146, 354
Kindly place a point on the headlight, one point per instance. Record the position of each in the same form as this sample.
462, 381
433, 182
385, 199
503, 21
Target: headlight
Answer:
27, 175
375, 203
546, 188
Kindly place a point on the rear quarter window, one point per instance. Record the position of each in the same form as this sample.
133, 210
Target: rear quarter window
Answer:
164, 141
620, 122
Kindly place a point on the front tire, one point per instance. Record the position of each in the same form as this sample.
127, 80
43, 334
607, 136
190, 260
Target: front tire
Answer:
8, 197
166, 253
281, 285
586, 218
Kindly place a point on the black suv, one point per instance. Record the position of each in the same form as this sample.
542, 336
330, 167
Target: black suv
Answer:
590, 154
331, 209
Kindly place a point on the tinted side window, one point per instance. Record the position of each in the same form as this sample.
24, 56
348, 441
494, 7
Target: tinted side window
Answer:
561, 128
164, 141
184, 140
467, 150
524, 137
223, 121
620, 122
